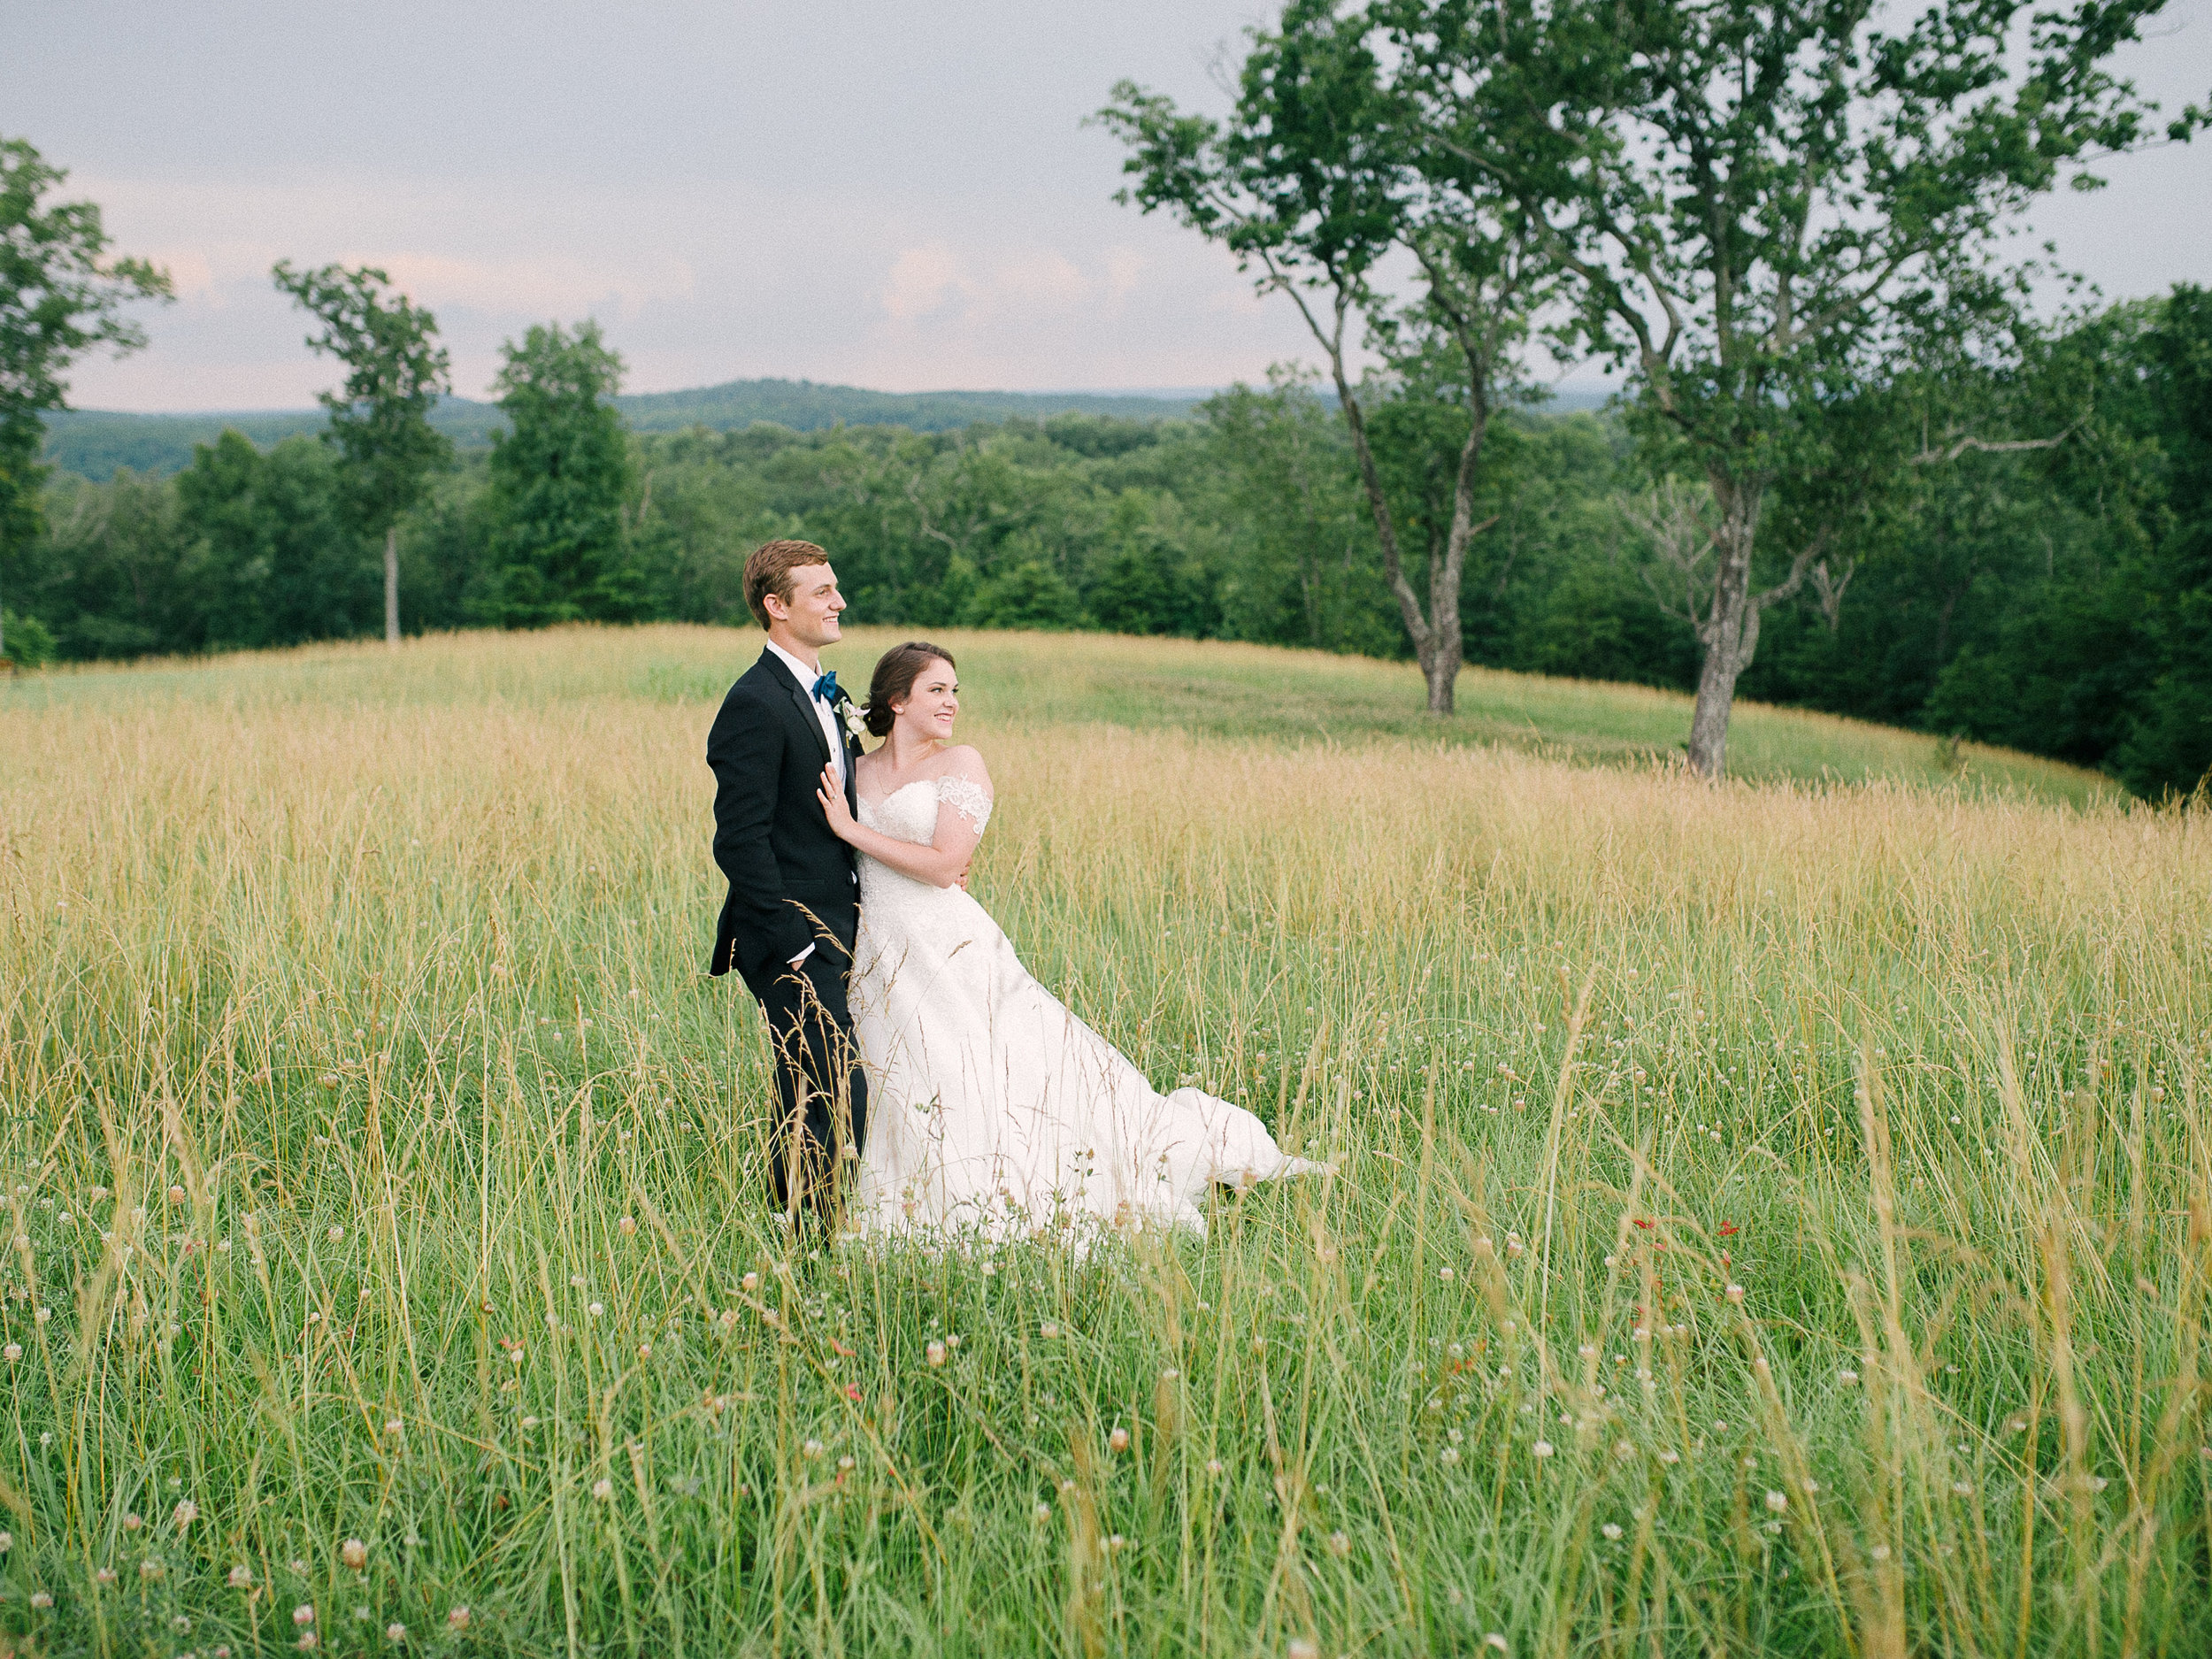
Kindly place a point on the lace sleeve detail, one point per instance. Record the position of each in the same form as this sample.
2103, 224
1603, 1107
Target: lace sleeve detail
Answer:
966, 798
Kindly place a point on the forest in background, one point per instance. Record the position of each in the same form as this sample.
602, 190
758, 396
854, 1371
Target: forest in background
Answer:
2053, 599
96, 442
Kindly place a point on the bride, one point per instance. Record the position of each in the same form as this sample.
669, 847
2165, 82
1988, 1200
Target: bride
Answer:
994, 1110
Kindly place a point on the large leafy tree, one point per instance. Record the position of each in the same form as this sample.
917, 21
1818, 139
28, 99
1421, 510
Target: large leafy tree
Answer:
2170, 747
380, 421
1754, 204
61, 295
1313, 181
560, 549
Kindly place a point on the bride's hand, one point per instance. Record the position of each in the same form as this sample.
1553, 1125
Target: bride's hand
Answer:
830, 794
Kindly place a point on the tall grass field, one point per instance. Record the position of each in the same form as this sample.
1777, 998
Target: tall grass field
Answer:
1774, 1218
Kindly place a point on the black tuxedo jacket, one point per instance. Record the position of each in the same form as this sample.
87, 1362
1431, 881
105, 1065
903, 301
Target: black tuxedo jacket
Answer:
770, 835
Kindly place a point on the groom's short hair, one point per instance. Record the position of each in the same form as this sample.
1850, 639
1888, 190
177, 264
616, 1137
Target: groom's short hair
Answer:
769, 571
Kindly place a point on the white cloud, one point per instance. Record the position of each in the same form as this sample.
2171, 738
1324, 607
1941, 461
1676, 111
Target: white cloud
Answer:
921, 280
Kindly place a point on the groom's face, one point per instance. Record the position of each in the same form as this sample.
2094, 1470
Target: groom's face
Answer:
811, 613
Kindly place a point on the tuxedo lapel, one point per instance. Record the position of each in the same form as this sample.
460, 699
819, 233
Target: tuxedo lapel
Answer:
801, 699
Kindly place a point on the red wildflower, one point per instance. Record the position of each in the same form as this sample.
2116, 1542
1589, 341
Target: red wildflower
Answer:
1728, 1227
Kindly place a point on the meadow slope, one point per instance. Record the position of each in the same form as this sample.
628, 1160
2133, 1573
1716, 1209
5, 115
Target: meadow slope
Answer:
1766, 1217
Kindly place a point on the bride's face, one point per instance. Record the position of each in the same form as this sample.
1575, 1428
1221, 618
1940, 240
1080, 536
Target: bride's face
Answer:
933, 704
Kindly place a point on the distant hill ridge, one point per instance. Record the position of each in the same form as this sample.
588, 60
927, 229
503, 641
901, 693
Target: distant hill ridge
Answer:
94, 442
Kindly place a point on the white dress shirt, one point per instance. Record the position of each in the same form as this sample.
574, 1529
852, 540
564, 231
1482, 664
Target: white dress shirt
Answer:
827, 716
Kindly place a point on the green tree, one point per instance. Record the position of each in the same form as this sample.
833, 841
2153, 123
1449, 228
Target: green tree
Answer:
560, 550
1280, 477
277, 554
1751, 201
380, 422
2169, 748
61, 295
1318, 174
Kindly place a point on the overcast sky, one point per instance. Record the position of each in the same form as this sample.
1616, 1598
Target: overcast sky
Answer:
896, 195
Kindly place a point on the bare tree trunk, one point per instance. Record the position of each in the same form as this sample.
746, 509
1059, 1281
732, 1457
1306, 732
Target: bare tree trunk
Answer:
1729, 631
391, 584
1724, 630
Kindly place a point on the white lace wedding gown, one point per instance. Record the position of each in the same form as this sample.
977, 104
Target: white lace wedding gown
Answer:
994, 1112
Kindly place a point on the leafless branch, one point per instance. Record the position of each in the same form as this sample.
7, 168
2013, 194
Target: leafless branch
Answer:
1938, 455
1828, 590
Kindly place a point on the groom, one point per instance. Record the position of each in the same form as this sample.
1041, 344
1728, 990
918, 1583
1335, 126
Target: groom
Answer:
788, 924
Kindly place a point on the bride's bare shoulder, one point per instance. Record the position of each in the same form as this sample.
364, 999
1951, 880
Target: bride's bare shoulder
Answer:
963, 760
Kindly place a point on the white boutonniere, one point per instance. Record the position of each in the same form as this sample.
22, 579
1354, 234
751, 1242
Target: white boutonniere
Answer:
851, 713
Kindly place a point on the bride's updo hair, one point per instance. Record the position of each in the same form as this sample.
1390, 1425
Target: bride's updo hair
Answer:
896, 671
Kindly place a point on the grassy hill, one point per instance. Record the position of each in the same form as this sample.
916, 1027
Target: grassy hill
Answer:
1035, 681
94, 442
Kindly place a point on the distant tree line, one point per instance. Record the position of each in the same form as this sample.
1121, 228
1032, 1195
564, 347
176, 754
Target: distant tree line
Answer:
2056, 598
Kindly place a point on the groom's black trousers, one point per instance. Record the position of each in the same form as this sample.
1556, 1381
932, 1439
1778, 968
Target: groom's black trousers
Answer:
821, 1093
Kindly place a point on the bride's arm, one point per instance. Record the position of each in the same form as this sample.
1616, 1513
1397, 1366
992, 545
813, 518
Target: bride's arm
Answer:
940, 864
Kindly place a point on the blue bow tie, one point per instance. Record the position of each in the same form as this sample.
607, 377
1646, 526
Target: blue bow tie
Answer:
826, 687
